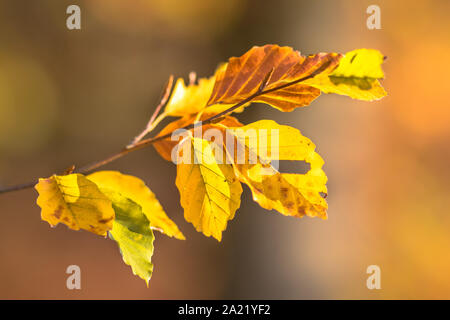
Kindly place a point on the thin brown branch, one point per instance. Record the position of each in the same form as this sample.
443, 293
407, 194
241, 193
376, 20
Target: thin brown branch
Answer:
18, 187
162, 102
143, 143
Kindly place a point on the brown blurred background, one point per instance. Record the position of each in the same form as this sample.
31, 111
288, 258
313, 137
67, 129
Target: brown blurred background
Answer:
76, 96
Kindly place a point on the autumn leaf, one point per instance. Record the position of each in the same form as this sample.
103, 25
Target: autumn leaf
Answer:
209, 192
244, 75
76, 202
166, 146
193, 98
357, 76
189, 99
131, 230
135, 189
288, 193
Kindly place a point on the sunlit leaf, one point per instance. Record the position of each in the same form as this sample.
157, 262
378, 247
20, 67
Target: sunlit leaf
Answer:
209, 192
356, 76
189, 99
192, 99
75, 201
244, 75
165, 147
135, 189
131, 230
291, 194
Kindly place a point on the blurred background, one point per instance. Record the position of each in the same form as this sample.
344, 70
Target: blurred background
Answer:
71, 97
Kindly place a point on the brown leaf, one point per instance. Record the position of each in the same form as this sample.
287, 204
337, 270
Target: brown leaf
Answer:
244, 75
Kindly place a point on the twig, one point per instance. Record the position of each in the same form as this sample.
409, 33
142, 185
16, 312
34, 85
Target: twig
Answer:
152, 123
192, 78
18, 187
143, 143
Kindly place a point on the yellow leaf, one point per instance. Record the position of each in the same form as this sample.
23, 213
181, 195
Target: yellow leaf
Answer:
289, 194
360, 63
193, 98
210, 192
189, 99
135, 189
356, 76
75, 201
244, 75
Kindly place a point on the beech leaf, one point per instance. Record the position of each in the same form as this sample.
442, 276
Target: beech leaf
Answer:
166, 146
76, 202
131, 230
136, 190
192, 99
289, 193
210, 193
357, 76
189, 99
243, 76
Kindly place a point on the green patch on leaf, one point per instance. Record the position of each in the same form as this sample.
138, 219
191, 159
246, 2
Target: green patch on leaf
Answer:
131, 230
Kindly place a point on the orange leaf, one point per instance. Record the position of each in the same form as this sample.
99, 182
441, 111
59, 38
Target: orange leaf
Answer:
244, 75
165, 147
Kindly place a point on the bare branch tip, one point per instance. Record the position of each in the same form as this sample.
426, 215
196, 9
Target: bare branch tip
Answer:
192, 77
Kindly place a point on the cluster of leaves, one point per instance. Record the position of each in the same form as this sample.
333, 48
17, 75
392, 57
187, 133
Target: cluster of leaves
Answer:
210, 191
